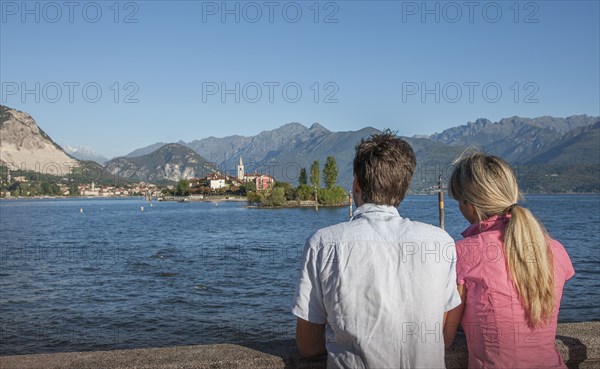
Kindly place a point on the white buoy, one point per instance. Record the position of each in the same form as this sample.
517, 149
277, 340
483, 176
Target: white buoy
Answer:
142, 208
81, 210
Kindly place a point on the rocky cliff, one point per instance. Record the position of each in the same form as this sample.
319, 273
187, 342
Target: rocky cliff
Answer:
25, 146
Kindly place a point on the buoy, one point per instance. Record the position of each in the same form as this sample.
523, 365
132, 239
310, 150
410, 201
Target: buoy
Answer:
142, 208
81, 210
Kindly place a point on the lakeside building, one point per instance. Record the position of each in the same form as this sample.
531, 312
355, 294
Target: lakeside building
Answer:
113, 191
262, 181
217, 181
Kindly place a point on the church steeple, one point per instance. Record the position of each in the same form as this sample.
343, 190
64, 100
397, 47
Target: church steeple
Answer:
240, 170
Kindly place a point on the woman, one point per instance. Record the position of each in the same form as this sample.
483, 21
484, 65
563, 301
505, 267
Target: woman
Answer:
510, 273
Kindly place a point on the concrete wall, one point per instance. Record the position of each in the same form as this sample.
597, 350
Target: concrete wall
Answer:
578, 344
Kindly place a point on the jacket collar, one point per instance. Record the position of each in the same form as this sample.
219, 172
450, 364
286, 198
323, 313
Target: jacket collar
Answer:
375, 210
495, 222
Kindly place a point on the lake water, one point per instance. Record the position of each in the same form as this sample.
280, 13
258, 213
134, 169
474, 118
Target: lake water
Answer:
115, 277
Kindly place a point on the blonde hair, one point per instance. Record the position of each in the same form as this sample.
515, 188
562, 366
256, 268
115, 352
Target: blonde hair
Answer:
489, 184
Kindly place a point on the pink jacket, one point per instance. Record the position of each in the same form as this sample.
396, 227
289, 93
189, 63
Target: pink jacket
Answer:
494, 320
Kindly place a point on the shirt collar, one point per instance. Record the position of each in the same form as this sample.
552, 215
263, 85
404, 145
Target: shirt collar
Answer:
373, 209
495, 222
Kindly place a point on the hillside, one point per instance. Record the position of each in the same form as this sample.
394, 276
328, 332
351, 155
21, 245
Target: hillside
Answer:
171, 162
515, 139
25, 146
580, 146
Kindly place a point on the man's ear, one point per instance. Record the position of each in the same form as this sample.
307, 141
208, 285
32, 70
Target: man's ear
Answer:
356, 191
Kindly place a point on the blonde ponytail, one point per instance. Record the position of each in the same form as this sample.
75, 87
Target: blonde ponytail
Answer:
529, 260
488, 183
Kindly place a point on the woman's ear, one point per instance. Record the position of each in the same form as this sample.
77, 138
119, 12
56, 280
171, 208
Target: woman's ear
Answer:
468, 211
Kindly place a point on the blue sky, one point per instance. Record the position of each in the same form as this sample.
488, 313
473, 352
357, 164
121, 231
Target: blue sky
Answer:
185, 70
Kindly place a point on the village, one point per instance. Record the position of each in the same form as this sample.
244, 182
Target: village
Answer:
214, 184
218, 183
258, 189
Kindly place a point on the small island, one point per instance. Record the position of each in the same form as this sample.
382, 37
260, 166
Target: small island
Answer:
262, 190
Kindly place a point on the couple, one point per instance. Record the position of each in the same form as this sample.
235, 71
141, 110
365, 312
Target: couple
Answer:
382, 291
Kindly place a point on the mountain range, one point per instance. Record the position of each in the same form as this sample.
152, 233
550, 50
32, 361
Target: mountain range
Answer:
549, 154
543, 148
514, 139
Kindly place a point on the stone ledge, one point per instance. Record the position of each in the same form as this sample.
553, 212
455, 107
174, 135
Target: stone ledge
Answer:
578, 344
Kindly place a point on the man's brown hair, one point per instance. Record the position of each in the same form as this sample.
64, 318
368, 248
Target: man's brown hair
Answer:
384, 165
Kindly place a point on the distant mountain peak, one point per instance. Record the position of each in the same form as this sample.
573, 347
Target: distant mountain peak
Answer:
171, 146
294, 125
318, 127
84, 153
480, 122
145, 150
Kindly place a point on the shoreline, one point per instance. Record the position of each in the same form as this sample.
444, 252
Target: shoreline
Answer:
204, 199
578, 344
239, 199
209, 199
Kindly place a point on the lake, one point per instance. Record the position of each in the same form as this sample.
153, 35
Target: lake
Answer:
116, 277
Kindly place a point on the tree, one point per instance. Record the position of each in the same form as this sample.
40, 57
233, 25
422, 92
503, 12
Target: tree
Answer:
315, 174
183, 187
305, 192
73, 190
45, 188
335, 195
54, 189
254, 198
290, 192
248, 187
330, 172
276, 197
302, 178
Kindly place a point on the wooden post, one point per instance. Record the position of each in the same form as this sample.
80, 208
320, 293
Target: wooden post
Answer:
441, 202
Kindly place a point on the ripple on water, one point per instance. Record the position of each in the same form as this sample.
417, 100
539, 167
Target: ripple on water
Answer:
175, 300
139, 265
189, 275
207, 289
166, 274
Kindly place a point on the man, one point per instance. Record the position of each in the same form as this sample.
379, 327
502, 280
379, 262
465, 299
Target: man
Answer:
373, 292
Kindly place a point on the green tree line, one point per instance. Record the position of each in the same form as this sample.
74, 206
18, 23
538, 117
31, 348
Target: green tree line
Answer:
282, 192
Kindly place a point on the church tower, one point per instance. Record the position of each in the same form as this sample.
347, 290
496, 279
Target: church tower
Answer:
240, 171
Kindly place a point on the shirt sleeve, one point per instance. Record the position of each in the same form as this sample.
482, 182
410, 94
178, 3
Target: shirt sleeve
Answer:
308, 300
452, 296
562, 259
462, 255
